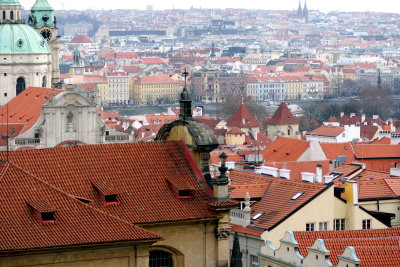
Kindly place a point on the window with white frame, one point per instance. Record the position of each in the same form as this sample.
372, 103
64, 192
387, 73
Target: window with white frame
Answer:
366, 224
339, 224
323, 226
254, 262
310, 226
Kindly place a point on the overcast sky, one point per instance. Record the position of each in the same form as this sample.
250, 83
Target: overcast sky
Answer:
322, 5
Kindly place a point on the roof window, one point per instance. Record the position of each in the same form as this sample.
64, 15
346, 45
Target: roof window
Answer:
258, 215
297, 195
106, 192
43, 212
179, 188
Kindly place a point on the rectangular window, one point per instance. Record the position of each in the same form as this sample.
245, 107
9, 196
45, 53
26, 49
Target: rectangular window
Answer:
323, 226
310, 226
339, 224
366, 224
254, 261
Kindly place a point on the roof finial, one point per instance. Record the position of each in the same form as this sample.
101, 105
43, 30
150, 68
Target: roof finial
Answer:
242, 100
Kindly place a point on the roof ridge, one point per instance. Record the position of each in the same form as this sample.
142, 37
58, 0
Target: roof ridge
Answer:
74, 198
3, 171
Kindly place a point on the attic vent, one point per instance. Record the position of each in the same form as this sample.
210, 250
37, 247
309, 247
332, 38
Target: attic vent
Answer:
258, 215
297, 195
106, 192
42, 210
179, 188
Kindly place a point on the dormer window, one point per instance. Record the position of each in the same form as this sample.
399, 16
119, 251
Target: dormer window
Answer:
179, 188
106, 191
43, 212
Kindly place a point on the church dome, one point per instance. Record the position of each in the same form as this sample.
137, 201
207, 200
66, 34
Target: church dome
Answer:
21, 39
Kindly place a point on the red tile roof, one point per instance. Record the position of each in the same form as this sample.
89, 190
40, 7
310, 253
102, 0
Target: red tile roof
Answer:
26, 107
277, 203
80, 39
372, 151
329, 131
332, 150
246, 230
235, 131
285, 149
243, 118
369, 245
256, 190
12, 129
75, 223
377, 188
143, 192
283, 116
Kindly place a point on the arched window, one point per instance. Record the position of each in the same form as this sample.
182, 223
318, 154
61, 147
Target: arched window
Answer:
160, 258
289, 130
44, 81
21, 86
11, 15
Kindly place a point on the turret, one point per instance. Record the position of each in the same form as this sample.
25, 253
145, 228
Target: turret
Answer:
10, 12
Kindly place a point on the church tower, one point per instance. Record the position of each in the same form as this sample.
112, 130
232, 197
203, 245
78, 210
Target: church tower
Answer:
305, 12
43, 20
299, 10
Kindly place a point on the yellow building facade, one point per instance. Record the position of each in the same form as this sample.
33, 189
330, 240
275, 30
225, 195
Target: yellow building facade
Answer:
155, 89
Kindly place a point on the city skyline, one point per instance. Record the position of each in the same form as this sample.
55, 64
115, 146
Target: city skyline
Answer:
325, 6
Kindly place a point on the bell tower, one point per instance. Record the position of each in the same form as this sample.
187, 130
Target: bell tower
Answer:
43, 20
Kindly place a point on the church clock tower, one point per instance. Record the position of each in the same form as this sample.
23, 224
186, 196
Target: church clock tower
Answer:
43, 20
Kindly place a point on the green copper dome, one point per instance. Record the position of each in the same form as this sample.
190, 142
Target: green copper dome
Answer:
21, 39
9, 2
41, 5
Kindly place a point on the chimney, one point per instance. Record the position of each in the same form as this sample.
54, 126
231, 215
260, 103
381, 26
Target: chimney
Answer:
243, 121
318, 173
341, 114
284, 173
307, 177
352, 115
362, 118
351, 192
328, 178
220, 184
395, 172
375, 117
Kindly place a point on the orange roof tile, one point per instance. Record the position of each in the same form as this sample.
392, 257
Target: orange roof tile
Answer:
372, 151
20, 190
285, 149
332, 150
256, 190
330, 131
382, 141
78, 39
26, 107
246, 230
283, 116
365, 242
144, 195
235, 131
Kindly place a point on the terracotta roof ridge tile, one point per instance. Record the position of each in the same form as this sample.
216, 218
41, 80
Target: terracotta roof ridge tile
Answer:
74, 198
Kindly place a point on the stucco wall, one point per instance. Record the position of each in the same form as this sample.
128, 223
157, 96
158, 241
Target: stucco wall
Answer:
128, 256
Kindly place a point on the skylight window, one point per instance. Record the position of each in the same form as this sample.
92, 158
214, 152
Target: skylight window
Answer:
297, 195
258, 215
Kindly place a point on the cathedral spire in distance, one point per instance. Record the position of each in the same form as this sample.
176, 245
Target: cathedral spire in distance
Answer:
299, 9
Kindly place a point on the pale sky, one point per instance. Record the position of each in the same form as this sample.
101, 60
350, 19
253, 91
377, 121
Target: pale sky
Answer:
322, 5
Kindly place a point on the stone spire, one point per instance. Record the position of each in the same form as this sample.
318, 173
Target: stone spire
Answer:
305, 11
185, 102
236, 256
247, 202
299, 9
